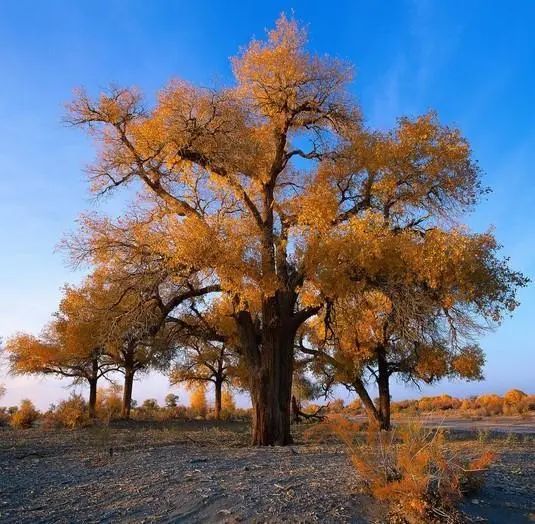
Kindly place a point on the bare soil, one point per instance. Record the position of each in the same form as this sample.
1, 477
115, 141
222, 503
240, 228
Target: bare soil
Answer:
206, 472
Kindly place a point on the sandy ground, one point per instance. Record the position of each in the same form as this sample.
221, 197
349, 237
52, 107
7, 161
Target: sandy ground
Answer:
200, 473
501, 424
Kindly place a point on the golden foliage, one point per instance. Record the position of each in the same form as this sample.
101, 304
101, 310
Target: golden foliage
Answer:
71, 413
412, 468
25, 415
271, 194
197, 400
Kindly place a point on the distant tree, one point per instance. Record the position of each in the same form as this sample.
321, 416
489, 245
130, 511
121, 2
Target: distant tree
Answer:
109, 402
150, 404
171, 400
202, 362
197, 400
72, 345
227, 400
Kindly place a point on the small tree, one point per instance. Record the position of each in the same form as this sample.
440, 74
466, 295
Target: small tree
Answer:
202, 362
228, 405
171, 401
109, 402
197, 400
71, 346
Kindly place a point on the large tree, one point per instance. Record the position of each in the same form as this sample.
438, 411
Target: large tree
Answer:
251, 180
407, 295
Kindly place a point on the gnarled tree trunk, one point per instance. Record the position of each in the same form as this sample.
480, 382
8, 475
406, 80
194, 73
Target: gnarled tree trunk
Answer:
269, 353
271, 385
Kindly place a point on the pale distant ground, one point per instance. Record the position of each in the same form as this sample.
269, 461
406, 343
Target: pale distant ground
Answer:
501, 424
203, 472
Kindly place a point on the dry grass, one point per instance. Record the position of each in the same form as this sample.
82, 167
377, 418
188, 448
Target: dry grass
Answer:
415, 470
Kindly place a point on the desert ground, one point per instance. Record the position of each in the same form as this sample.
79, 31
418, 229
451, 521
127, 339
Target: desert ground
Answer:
206, 472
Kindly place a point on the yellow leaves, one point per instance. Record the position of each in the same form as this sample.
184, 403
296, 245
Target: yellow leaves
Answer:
468, 363
317, 208
271, 72
284, 82
432, 363
309, 295
27, 353
197, 399
276, 178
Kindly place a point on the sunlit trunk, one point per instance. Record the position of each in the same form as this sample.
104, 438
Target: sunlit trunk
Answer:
370, 408
271, 376
271, 388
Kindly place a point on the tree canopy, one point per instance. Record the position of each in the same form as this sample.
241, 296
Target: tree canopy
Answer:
270, 218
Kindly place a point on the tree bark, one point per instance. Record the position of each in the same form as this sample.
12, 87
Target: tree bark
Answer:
383, 379
127, 392
270, 393
271, 378
218, 386
267, 347
371, 410
93, 389
92, 398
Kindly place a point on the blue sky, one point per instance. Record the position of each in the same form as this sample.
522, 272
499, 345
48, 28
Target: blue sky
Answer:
472, 61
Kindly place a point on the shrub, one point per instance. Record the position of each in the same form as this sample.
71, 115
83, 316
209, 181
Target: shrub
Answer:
438, 403
411, 468
149, 410
181, 412
514, 396
25, 415
515, 402
467, 405
109, 403
71, 413
407, 406
337, 406
490, 404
